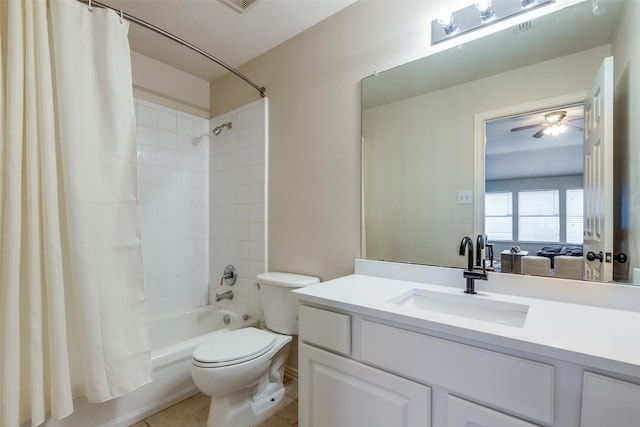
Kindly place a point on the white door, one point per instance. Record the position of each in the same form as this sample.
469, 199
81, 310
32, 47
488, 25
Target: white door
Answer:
339, 392
598, 177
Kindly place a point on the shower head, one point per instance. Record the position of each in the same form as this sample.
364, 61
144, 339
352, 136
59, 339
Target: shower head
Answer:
216, 131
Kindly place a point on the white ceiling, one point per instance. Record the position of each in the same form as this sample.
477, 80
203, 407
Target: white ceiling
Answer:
234, 38
516, 154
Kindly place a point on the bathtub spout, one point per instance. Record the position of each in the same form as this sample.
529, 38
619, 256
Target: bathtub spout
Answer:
224, 295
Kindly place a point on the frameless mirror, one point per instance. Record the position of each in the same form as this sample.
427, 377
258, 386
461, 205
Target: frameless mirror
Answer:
420, 127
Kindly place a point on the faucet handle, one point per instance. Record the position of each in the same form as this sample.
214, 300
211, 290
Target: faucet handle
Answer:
479, 248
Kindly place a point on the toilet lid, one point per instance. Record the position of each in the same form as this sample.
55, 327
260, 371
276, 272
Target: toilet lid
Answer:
233, 347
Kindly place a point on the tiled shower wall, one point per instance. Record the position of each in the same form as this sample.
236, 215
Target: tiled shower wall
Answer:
238, 184
173, 179
203, 205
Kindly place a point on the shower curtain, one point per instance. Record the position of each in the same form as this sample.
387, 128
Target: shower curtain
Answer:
73, 317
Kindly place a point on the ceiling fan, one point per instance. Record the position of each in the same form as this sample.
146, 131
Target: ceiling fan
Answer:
554, 124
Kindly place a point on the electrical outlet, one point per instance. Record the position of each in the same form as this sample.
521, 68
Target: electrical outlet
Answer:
465, 197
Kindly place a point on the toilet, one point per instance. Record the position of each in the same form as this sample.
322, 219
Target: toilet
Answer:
242, 370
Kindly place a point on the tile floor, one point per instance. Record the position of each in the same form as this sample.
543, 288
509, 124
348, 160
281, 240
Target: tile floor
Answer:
193, 412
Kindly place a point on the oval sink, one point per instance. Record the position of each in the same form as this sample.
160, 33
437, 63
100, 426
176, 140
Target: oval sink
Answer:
464, 305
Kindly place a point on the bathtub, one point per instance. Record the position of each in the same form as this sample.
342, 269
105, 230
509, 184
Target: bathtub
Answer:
173, 339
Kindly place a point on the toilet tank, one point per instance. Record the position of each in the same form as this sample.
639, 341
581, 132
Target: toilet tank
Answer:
278, 305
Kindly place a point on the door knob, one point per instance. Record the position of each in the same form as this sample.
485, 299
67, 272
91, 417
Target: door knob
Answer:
621, 258
592, 256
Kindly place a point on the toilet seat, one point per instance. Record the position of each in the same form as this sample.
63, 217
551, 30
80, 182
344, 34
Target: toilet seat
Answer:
233, 347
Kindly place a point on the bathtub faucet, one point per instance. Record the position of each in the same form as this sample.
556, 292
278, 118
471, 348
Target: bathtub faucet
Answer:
224, 295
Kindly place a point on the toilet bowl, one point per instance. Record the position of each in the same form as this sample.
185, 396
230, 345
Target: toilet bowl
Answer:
242, 370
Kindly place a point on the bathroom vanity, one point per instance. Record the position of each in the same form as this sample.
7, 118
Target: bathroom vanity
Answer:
402, 345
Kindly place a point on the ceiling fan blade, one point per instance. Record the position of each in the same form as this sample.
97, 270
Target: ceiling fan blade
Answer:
526, 127
539, 134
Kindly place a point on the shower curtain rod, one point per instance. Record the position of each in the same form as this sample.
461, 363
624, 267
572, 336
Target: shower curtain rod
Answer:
176, 39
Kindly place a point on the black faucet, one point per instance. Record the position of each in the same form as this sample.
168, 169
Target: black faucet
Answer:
470, 274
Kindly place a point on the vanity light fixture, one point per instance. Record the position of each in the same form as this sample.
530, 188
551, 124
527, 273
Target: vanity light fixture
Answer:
481, 13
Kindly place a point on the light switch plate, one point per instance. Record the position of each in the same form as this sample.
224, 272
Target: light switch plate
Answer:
465, 197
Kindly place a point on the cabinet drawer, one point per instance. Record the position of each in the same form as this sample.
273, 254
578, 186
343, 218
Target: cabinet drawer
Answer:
518, 385
462, 413
609, 402
325, 329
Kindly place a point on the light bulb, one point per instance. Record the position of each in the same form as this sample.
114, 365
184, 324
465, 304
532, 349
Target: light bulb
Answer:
485, 8
445, 19
555, 130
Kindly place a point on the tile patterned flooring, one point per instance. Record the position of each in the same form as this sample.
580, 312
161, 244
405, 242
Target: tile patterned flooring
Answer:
193, 412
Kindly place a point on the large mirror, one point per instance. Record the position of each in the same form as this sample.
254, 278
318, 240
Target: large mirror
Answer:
424, 131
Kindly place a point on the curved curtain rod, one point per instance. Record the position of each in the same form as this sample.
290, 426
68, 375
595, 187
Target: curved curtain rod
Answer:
176, 39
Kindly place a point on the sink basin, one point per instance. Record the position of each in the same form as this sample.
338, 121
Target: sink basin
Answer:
463, 305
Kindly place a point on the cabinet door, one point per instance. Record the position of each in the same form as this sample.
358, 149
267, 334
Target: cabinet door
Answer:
609, 402
339, 392
462, 413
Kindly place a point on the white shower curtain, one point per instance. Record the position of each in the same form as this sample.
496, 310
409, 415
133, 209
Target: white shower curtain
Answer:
73, 317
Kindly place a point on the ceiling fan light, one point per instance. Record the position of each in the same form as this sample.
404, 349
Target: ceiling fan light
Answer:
555, 129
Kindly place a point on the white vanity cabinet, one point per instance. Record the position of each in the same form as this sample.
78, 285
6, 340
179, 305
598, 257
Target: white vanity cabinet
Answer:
369, 359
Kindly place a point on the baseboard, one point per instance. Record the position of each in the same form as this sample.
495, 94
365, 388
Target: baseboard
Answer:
290, 373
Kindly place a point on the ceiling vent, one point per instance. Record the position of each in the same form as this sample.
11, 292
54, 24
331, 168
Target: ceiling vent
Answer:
240, 5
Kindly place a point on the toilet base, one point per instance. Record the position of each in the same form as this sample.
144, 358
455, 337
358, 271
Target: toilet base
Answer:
247, 406
242, 409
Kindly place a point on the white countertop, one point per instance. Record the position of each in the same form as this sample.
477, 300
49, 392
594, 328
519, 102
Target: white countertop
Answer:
601, 338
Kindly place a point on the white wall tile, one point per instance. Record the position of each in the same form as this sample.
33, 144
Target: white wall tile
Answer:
147, 154
185, 143
201, 145
147, 174
149, 251
147, 116
149, 231
168, 188
147, 135
148, 212
167, 139
167, 158
203, 205
237, 202
148, 193
167, 119
185, 125
166, 212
